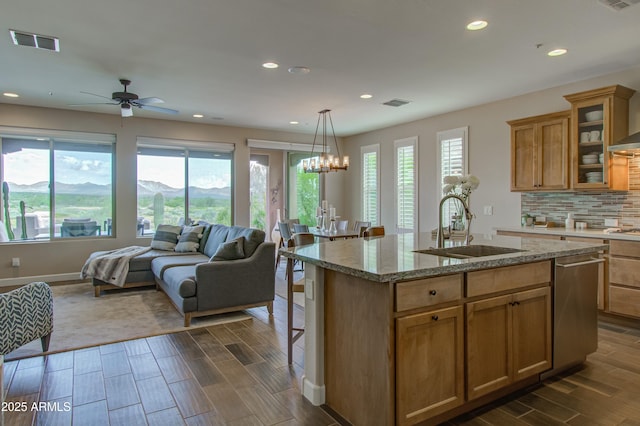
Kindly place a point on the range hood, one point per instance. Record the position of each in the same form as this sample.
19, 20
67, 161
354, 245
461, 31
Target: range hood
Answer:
629, 146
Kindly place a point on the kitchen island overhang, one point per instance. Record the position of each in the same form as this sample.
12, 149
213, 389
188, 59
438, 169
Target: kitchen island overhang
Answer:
355, 326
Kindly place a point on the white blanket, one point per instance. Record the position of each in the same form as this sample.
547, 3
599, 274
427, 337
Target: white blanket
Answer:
112, 266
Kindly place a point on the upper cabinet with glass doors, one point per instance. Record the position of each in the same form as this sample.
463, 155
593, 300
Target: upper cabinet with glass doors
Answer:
599, 118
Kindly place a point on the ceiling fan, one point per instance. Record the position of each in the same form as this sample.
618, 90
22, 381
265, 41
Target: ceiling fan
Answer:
128, 100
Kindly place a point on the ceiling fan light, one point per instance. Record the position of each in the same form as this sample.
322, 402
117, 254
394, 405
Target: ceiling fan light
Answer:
126, 111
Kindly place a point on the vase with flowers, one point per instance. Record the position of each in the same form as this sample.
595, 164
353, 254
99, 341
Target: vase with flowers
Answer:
462, 186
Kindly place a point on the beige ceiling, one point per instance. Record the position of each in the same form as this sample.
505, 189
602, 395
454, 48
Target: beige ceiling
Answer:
205, 56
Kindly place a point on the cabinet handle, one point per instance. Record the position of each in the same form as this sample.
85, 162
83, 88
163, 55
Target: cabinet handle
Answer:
435, 318
433, 292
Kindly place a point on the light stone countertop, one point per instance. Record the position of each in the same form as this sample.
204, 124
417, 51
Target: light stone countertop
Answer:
392, 257
586, 233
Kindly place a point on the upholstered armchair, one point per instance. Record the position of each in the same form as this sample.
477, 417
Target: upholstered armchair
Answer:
26, 314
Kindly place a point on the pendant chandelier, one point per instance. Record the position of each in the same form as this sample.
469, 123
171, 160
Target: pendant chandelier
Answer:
326, 162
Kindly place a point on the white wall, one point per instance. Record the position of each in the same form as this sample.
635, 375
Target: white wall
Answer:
489, 152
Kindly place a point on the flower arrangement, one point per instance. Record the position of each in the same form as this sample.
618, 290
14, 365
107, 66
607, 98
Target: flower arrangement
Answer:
460, 185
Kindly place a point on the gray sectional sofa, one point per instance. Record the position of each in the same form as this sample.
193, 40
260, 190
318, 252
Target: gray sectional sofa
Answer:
232, 269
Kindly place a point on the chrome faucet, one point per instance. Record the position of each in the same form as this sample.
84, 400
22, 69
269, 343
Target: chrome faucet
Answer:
467, 214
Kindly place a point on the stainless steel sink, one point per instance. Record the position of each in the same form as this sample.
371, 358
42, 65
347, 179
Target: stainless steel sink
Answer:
464, 252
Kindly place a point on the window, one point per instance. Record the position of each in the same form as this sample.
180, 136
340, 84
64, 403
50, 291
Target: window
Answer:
258, 190
370, 183
452, 161
182, 182
405, 184
304, 189
56, 184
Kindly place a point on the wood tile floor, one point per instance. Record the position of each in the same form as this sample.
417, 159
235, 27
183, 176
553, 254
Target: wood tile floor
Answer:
236, 374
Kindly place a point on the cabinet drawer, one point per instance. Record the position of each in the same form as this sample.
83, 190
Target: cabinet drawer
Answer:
508, 278
624, 271
428, 292
624, 301
624, 248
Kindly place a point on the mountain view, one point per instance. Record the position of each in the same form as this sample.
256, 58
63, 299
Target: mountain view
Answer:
145, 188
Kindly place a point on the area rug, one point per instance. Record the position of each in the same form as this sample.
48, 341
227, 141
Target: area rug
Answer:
82, 320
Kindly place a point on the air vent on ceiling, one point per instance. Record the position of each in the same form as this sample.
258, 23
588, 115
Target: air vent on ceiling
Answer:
395, 102
619, 4
21, 38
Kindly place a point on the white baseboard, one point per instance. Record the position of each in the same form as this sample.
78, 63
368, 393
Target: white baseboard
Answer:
314, 393
10, 282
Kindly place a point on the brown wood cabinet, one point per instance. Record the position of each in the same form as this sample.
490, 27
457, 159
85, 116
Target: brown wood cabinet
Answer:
624, 278
540, 152
430, 367
508, 339
418, 357
599, 118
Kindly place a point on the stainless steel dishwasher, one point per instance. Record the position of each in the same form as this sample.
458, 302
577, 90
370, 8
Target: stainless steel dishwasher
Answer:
575, 311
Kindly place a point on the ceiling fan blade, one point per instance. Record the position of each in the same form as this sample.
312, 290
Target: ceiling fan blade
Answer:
151, 100
158, 109
93, 94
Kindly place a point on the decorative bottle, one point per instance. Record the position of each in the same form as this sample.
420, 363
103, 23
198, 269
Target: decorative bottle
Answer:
569, 222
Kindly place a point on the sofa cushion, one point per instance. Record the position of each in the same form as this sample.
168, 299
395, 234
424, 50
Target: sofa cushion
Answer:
143, 262
252, 238
181, 280
217, 236
166, 237
205, 235
230, 250
189, 240
159, 265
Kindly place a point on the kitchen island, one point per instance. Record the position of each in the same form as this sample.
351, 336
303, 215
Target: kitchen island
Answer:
398, 336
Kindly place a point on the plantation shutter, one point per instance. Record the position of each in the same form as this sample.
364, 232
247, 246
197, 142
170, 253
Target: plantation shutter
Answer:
406, 194
453, 162
370, 184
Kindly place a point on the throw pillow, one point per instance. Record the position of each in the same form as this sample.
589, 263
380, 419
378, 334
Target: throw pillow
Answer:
166, 237
189, 240
231, 250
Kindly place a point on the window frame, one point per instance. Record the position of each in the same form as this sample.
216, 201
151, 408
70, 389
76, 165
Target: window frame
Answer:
364, 150
460, 133
52, 138
397, 146
185, 147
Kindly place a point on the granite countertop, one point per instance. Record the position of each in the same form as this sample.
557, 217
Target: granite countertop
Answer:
584, 233
393, 257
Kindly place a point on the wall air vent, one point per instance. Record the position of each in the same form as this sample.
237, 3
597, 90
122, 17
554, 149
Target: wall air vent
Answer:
22, 38
395, 102
619, 4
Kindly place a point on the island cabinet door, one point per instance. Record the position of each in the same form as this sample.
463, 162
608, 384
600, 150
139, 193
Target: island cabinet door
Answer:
508, 339
429, 364
531, 314
489, 355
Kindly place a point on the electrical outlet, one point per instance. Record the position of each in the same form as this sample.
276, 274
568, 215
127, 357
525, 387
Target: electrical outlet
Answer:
308, 288
488, 210
15, 262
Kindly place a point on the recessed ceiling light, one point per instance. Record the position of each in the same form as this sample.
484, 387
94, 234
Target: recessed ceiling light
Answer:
477, 25
294, 122
557, 52
11, 95
366, 96
270, 65
299, 70
198, 115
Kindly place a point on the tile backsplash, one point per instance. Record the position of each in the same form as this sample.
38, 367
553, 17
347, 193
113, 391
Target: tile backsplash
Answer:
589, 206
